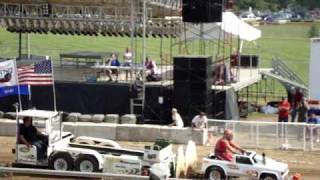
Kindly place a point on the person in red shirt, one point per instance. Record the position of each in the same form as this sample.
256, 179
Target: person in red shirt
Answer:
225, 148
284, 109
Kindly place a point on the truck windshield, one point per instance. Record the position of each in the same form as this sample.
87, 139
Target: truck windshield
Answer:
40, 124
55, 133
254, 159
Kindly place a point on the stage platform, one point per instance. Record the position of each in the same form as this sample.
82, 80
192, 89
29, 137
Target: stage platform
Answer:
88, 74
247, 77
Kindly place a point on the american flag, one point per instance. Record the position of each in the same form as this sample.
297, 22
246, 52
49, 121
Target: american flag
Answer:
39, 74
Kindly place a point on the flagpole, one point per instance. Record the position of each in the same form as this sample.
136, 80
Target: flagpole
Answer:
30, 96
53, 87
19, 93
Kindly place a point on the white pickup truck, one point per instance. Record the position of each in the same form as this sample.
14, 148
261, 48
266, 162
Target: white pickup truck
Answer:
248, 164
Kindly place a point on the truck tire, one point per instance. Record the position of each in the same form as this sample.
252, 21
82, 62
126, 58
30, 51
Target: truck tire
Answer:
268, 177
61, 161
87, 163
215, 173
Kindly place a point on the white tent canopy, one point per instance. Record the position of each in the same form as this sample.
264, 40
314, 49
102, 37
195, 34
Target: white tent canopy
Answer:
230, 24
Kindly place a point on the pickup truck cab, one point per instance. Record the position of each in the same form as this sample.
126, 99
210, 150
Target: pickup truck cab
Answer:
249, 164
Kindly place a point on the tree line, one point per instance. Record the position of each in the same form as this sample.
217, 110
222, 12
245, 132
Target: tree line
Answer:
274, 5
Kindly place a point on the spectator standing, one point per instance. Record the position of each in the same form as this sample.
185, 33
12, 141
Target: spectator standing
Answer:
283, 115
298, 97
234, 58
127, 57
284, 109
302, 110
176, 118
200, 121
313, 120
127, 60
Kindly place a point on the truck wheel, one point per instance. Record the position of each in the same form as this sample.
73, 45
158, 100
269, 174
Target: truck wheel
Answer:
87, 163
215, 173
61, 161
268, 177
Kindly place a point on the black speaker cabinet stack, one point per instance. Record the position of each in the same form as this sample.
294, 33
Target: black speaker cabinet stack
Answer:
192, 86
202, 11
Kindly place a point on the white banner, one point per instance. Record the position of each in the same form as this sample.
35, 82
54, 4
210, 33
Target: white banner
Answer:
314, 70
8, 73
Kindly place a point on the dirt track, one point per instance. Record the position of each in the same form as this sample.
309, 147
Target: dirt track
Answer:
305, 163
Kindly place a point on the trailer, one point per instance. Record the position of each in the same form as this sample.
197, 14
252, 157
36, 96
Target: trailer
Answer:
64, 152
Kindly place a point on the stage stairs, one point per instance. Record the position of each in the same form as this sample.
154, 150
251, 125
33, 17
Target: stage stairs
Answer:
287, 77
137, 100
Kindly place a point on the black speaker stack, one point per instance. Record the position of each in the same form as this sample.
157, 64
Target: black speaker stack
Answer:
248, 61
192, 86
202, 11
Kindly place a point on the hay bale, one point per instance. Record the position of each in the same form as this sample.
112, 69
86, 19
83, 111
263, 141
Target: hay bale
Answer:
98, 118
1, 114
73, 117
128, 119
111, 118
64, 116
85, 118
9, 115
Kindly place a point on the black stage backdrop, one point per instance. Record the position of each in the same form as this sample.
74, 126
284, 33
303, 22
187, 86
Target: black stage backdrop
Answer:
76, 97
95, 98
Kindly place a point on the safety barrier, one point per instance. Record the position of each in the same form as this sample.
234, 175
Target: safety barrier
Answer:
270, 135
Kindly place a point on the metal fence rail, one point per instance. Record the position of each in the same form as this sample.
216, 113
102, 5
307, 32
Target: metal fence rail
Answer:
270, 135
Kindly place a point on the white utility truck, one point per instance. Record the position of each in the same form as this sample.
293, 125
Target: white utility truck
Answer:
248, 164
85, 154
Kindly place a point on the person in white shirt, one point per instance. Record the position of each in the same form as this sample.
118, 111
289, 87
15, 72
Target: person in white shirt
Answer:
127, 61
200, 121
176, 118
127, 57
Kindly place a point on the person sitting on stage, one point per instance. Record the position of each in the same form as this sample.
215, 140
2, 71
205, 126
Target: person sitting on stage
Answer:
151, 70
176, 118
225, 148
200, 121
31, 136
115, 63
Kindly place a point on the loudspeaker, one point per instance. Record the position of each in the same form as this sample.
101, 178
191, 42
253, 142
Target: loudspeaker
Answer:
249, 61
218, 106
192, 86
202, 11
190, 68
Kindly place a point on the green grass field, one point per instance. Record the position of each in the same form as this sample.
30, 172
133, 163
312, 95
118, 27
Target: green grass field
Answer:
289, 42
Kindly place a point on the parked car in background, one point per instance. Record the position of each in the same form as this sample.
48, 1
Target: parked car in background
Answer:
308, 18
249, 16
280, 18
296, 18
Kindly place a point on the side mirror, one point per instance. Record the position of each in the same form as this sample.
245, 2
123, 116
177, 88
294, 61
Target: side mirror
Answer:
264, 158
